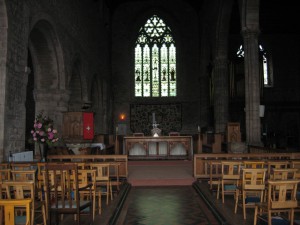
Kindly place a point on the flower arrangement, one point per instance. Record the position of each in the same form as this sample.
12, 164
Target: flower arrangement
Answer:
43, 131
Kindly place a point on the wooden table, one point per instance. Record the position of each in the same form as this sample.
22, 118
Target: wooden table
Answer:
184, 143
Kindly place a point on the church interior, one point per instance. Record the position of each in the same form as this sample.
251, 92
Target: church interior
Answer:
131, 82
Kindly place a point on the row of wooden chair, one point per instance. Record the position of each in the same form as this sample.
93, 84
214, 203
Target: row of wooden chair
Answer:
17, 191
269, 187
95, 175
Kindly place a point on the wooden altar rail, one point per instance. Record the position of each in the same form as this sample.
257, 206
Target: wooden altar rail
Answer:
121, 159
201, 161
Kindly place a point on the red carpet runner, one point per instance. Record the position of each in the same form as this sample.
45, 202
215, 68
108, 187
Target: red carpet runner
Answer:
160, 173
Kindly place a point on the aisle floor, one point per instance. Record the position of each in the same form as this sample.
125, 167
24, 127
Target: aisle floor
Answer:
173, 205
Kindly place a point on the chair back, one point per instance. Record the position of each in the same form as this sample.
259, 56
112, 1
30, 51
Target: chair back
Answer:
102, 171
282, 194
231, 170
254, 164
86, 177
23, 175
60, 180
21, 190
254, 179
21, 166
214, 173
284, 174
275, 165
10, 205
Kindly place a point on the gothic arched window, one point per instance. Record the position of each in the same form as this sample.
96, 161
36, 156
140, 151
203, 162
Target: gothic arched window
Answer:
265, 65
155, 60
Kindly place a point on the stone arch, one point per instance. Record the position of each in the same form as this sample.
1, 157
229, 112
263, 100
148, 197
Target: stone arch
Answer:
43, 45
3, 60
47, 64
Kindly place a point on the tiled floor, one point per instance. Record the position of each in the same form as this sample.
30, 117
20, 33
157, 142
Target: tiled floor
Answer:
168, 205
174, 205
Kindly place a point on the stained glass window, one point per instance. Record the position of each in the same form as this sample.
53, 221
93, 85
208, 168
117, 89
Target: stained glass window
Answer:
265, 62
155, 60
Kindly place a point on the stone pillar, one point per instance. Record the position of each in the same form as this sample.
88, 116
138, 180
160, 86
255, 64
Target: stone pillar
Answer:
220, 82
252, 89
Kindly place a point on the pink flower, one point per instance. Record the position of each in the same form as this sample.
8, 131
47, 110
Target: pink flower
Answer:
50, 135
43, 131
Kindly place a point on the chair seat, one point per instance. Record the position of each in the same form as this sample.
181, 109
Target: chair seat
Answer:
230, 187
252, 199
276, 220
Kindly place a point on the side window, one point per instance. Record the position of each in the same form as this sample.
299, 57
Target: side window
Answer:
266, 68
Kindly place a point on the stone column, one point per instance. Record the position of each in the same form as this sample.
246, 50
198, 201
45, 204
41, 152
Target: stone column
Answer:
252, 89
220, 82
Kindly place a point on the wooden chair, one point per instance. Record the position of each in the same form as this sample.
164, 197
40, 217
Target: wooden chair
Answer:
25, 190
275, 165
251, 189
114, 168
103, 182
215, 174
281, 199
10, 205
85, 178
231, 175
63, 193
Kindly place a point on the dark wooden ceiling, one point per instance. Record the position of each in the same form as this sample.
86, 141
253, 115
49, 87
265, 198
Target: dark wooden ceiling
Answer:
275, 16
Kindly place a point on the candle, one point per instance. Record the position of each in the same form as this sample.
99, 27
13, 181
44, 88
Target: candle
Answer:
116, 130
199, 129
153, 117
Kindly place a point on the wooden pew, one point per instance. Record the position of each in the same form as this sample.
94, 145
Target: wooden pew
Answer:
202, 161
212, 142
121, 159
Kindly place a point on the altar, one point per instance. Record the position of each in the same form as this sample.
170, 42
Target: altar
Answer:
161, 147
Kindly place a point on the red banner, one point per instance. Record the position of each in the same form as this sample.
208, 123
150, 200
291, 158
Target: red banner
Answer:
88, 125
